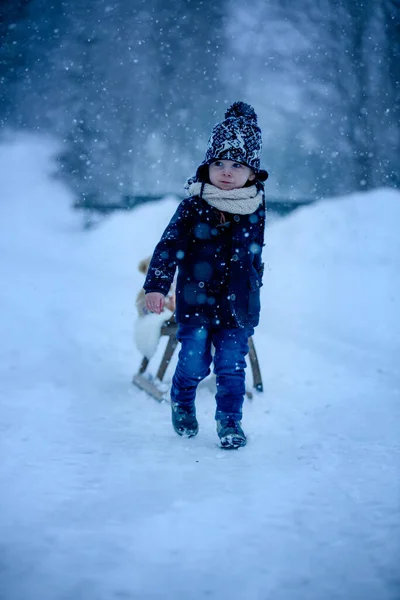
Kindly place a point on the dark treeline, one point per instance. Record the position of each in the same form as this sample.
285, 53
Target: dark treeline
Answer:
132, 88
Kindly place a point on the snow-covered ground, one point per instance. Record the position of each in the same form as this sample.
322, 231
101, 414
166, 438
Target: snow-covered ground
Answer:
100, 499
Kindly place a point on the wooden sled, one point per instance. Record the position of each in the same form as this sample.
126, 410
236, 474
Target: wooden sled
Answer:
170, 329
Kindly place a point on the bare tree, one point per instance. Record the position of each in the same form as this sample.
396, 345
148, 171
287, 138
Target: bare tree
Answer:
322, 72
389, 123
132, 88
14, 54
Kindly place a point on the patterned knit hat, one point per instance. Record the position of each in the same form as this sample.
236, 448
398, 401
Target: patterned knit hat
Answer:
237, 138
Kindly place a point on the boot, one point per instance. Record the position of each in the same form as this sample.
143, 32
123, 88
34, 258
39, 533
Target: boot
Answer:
184, 419
231, 434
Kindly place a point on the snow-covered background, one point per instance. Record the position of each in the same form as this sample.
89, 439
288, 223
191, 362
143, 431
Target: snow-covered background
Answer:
101, 500
132, 88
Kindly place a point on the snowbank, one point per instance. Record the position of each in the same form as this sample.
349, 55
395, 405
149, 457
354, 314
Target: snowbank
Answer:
98, 493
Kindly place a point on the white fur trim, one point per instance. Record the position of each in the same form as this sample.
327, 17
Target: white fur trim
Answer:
146, 333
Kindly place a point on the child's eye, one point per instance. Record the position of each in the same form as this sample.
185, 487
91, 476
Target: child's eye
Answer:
237, 165
218, 163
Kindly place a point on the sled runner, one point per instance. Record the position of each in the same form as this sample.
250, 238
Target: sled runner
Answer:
154, 386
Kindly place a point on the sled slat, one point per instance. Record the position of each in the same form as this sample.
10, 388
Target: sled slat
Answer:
149, 387
169, 350
144, 365
255, 366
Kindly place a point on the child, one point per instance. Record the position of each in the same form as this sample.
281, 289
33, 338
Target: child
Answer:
215, 238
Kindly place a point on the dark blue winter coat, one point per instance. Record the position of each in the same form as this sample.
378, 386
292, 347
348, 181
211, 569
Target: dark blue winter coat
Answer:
219, 265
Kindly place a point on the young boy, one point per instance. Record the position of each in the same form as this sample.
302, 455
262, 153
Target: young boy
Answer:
215, 238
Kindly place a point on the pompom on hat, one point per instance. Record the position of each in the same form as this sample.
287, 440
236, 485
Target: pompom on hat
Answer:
237, 138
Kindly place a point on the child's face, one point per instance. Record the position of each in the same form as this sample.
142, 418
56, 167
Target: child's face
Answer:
229, 175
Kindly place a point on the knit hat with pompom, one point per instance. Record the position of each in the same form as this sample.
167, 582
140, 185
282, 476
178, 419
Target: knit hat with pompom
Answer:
237, 138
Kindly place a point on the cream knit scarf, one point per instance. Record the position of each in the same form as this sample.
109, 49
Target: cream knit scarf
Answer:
241, 201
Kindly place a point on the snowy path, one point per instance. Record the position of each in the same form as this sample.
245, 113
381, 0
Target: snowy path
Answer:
101, 500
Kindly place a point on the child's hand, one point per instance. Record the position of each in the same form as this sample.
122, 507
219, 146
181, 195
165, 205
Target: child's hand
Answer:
155, 302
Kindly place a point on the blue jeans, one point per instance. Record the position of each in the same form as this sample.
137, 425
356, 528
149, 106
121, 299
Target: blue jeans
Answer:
231, 347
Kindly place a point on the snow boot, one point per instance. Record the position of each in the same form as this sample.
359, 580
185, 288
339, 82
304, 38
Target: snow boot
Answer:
231, 434
184, 419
